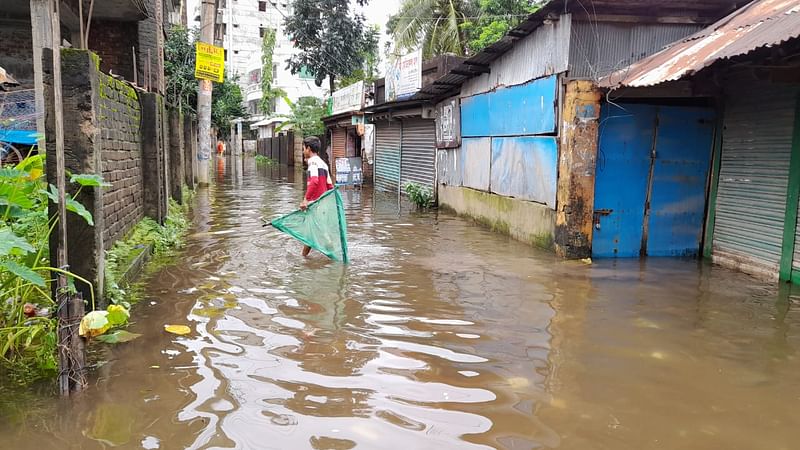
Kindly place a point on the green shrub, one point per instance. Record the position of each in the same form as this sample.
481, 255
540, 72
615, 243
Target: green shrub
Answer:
422, 196
262, 160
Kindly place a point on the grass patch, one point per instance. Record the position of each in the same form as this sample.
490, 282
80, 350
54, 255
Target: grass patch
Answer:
148, 235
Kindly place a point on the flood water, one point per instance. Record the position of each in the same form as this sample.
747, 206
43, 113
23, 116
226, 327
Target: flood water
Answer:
439, 334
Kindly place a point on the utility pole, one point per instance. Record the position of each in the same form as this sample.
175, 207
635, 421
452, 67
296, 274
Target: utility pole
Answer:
208, 13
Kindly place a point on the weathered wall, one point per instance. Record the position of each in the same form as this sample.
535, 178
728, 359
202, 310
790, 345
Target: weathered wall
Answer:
114, 42
119, 115
16, 50
528, 222
82, 150
114, 130
544, 52
577, 163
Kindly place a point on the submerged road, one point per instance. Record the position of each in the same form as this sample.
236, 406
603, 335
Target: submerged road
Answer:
439, 334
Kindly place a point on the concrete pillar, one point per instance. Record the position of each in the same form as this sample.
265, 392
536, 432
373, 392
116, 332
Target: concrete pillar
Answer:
82, 154
176, 173
188, 160
153, 151
576, 169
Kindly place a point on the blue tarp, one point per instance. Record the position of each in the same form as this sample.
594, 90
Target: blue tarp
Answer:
18, 137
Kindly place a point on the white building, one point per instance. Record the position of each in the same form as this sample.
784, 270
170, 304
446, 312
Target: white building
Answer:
245, 23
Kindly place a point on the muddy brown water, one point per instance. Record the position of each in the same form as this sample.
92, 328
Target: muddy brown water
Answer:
440, 334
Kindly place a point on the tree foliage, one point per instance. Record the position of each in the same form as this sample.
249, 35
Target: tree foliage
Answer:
268, 92
330, 38
432, 25
460, 27
368, 72
306, 116
495, 19
179, 59
227, 104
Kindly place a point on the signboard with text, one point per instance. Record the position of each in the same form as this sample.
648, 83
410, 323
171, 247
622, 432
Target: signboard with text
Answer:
347, 99
404, 77
448, 123
209, 62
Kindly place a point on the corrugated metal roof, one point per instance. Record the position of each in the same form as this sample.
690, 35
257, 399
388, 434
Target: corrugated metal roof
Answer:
763, 23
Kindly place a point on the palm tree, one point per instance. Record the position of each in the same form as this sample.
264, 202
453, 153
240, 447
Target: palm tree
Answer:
433, 25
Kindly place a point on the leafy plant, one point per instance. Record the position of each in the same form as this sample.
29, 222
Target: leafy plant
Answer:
268, 93
179, 61
27, 326
146, 233
306, 116
422, 196
227, 104
262, 160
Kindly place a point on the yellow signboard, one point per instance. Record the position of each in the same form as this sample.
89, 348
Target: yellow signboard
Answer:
209, 62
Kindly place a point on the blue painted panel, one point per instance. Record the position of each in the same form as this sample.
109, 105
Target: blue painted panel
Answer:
678, 203
623, 169
525, 168
518, 110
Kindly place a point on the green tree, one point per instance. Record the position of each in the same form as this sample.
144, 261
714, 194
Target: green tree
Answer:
368, 72
268, 93
495, 19
306, 116
179, 58
434, 25
227, 104
330, 38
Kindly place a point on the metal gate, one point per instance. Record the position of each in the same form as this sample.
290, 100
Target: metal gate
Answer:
650, 187
418, 157
387, 155
754, 175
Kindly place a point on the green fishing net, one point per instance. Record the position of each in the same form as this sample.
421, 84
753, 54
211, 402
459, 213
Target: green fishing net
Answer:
321, 226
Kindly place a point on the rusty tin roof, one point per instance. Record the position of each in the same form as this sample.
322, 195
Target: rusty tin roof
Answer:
762, 23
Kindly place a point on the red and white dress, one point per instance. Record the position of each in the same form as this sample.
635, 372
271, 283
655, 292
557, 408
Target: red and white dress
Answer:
319, 178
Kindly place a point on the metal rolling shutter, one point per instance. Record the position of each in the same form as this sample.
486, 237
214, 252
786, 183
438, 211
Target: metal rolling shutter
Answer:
387, 155
751, 200
338, 149
419, 152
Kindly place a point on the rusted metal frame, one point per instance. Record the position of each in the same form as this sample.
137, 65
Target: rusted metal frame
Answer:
792, 197
713, 189
649, 195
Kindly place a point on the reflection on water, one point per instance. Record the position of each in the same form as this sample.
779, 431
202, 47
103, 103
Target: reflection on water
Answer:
439, 335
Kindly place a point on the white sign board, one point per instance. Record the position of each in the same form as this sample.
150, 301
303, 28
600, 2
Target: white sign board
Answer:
404, 77
347, 99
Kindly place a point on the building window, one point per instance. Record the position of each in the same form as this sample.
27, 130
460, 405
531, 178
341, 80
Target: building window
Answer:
236, 52
262, 31
274, 72
236, 25
262, 6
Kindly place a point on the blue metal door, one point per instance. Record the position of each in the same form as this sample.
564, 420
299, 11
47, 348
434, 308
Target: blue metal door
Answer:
650, 187
623, 167
680, 171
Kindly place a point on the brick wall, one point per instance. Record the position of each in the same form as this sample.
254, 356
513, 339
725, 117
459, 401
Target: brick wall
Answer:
114, 42
16, 50
119, 116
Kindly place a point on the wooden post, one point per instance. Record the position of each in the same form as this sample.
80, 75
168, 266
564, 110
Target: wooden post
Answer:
71, 377
42, 33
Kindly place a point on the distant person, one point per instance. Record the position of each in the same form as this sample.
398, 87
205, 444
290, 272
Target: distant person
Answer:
220, 147
319, 178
